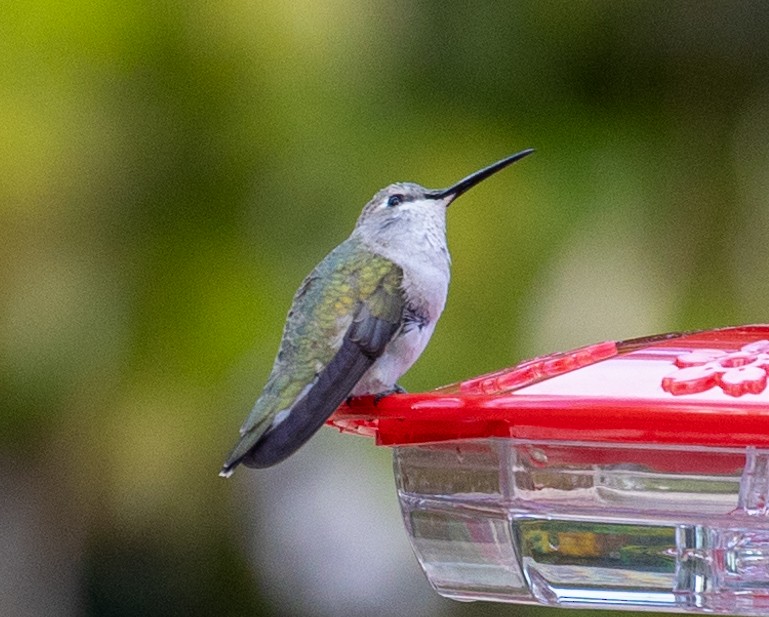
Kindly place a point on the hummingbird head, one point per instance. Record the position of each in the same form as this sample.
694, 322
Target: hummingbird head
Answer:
400, 206
404, 206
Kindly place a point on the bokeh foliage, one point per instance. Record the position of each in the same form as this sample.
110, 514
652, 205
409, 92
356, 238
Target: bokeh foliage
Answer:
170, 171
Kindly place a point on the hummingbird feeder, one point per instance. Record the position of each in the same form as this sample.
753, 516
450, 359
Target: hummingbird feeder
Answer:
623, 475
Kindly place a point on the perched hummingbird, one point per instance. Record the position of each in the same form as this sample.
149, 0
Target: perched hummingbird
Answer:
359, 320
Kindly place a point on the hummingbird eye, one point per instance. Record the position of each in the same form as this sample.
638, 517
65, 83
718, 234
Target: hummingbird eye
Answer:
394, 200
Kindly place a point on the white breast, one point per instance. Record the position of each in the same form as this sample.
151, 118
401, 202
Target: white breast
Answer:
422, 254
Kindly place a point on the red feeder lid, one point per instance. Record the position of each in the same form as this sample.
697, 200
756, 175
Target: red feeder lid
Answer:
704, 388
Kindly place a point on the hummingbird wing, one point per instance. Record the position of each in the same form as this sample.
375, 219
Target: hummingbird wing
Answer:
342, 317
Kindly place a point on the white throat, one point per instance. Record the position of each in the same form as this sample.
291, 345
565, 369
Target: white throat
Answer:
414, 238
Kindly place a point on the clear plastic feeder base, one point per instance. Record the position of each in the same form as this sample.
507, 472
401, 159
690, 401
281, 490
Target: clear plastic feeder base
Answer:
575, 525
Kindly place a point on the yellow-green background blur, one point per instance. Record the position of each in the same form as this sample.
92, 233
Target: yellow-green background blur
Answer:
169, 171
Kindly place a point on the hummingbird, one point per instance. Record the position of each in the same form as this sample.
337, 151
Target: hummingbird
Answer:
359, 320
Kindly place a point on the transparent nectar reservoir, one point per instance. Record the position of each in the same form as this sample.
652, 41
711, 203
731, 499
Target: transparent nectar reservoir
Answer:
625, 475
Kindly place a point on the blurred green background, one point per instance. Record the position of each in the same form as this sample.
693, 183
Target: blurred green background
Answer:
169, 172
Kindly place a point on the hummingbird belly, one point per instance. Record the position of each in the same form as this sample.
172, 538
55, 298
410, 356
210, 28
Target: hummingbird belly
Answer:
397, 358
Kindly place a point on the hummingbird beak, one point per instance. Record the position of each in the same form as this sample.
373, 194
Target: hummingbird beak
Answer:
463, 185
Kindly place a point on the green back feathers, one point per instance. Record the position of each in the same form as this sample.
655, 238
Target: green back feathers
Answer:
350, 284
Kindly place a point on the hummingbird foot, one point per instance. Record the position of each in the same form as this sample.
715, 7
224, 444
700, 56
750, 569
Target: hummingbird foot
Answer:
396, 389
